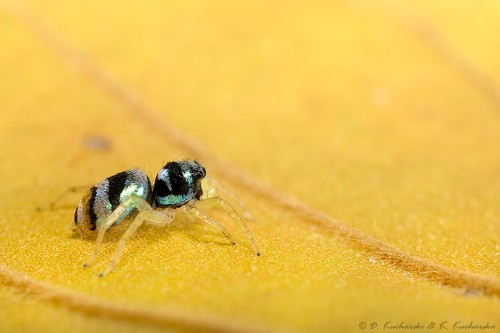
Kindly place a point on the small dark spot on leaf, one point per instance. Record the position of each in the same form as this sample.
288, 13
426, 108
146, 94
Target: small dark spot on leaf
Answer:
97, 143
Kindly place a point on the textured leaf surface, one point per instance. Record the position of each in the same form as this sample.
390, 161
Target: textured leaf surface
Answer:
383, 117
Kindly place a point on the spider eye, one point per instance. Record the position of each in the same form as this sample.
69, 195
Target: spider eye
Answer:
202, 172
199, 170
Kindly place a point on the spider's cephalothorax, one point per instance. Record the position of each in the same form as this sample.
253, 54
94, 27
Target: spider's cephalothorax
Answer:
177, 188
177, 183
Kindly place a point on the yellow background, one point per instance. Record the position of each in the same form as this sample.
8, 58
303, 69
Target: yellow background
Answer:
382, 115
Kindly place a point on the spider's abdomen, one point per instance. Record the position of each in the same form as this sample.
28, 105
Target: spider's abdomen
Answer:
177, 183
103, 198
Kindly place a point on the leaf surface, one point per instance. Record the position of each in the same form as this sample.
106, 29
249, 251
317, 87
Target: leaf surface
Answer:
363, 138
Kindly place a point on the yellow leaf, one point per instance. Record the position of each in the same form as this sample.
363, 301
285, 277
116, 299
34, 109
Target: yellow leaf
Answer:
362, 136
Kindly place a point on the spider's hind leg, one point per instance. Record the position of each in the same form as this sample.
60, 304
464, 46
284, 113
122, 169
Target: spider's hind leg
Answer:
53, 203
103, 224
155, 217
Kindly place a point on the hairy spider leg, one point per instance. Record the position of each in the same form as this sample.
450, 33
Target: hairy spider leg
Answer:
159, 218
125, 207
215, 186
72, 189
190, 209
234, 215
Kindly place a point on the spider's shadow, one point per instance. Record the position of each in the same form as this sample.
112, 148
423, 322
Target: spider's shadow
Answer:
148, 233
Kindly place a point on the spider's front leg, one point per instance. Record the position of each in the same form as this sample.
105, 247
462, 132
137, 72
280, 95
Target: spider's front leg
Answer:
191, 209
234, 215
214, 189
